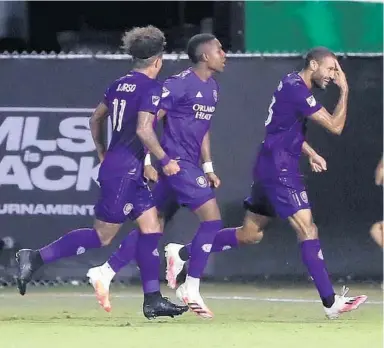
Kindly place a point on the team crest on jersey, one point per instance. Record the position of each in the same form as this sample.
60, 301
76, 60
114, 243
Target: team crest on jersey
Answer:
202, 181
165, 93
155, 100
304, 196
311, 101
215, 95
127, 208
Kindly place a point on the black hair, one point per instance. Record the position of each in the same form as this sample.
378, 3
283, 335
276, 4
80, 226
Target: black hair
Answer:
194, 45
144, 44
317, 54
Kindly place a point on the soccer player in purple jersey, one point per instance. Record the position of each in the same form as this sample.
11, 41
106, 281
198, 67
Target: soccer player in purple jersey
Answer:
188, 103
130, 101
278, 187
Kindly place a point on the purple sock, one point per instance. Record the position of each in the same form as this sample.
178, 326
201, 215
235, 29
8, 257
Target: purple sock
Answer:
225, 239
201, 247
126, 252
148, 260
312, 257
73, 243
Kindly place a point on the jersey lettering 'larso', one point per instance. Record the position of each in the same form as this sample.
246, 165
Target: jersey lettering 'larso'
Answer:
125, 98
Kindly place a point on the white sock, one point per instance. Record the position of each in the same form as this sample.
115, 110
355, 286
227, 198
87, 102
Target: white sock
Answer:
193, 284
107, 271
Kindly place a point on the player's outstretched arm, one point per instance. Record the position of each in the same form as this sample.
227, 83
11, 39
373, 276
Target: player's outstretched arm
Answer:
96, 123
335, 122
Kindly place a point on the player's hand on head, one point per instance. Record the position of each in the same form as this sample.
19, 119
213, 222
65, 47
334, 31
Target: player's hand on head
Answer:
171, 168
150, 173
340, 78
318, 163
213, 180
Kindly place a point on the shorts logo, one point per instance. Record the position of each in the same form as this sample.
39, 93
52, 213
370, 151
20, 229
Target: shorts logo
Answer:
215, 95
80, 250
127, 208
311, 101
202, 181
304, 196
320, 255
155, 253
206, 248
155, 100
226, 247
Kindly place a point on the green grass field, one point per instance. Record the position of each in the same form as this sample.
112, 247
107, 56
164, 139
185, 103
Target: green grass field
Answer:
259, 317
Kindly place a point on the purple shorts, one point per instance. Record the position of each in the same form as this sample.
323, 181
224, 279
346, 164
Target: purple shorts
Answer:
188, 187
283, 198
121, 199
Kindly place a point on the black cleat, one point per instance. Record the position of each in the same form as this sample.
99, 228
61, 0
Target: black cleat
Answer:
159, 306
29, 262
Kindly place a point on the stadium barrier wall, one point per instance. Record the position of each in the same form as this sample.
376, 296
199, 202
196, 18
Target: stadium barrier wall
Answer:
48, 162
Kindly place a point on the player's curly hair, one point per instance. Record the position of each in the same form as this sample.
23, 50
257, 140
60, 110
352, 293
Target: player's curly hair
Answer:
144, 44
194, 46
317, 53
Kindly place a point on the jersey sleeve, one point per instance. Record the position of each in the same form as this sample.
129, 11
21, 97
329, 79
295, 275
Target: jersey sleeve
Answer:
173, 90
306, 103
149, 102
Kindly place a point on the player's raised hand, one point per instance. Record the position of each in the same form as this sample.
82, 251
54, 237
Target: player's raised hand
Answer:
213, 180
171, 168
340, 78
318, 163
150, 173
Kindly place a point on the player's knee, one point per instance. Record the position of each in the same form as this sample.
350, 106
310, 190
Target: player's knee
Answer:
247, 235
105, 237
309, 231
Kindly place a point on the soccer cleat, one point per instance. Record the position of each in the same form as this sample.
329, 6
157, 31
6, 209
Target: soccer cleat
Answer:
101, 285
159, 306
344, 304
194, 301
174, 263
29, 262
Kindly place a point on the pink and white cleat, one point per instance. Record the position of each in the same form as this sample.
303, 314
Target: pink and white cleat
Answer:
100, 283
174, 263
344, 304
194, 301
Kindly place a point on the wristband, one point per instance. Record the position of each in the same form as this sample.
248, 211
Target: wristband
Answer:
207, 167
165, 160
147, 159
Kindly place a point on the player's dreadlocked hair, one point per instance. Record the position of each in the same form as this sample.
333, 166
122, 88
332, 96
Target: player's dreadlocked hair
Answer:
144, 44
317, 53
194, 46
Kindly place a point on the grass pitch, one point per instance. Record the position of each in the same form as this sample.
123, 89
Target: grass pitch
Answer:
245, 316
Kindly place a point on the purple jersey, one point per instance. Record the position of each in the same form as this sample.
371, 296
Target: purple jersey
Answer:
291, 104
190, 104
125, 98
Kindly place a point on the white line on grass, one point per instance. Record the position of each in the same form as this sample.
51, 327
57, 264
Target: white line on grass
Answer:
212, 297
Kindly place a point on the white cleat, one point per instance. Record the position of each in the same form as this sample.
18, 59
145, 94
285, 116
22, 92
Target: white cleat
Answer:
174, 263
194, 301
100, 283
344, 304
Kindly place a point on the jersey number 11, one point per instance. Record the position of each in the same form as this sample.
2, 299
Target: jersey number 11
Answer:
117, 119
